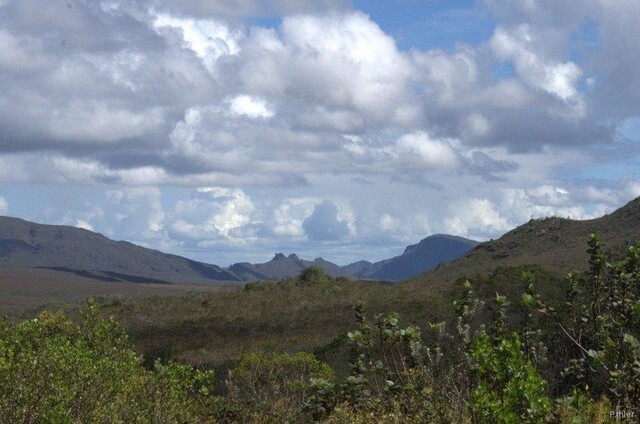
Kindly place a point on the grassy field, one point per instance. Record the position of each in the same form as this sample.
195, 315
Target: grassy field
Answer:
25, 291
215, 328
212, 325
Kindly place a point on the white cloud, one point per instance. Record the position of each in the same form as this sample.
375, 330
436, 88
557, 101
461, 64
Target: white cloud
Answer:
234, 212
80, 223
325, 223
475, 218
338, 61
421, 151
634, 188
251, 107
548, 195
141, 211
289, 216
453, 78
101, 123
603, 195
167, 96
20, 54
209, 39
216, 215
389, 223
557, 78
546, 201
4, 206
476, 125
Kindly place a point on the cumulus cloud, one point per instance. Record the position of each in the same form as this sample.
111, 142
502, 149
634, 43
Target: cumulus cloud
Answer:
289, 216
559, 79
142, 99
335, 67
305, 84
215, 215
251, 107
475, 218
324, 223
140, 211
209, 39
420, 150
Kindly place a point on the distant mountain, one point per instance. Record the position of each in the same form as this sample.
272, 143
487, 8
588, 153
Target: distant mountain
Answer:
88, 254
416, 259
362, 269
282, 266
557, 244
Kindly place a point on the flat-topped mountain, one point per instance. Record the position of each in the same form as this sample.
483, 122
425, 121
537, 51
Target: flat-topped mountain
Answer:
416, 259
75, 250
557, 244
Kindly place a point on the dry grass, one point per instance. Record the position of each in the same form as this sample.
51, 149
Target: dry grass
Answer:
24, 291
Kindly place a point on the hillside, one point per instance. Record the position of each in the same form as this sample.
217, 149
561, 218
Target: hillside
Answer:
557, 244
90, 255
424, 256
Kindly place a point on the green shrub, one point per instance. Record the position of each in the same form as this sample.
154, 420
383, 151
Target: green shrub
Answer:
578, 408
273, 387
53, 370
313, 276
509, 388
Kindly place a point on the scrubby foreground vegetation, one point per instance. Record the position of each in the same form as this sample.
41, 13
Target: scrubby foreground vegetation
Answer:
526, 357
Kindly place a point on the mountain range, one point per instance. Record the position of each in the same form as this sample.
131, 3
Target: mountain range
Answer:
557, 244
416, 259
71, 250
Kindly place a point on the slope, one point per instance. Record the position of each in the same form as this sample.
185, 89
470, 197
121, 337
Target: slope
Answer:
557, 244
26, 244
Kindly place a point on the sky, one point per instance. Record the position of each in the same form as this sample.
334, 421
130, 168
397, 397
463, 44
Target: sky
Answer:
229, 130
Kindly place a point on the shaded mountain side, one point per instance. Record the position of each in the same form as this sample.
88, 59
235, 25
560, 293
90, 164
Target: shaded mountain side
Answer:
557, 244
416, 259
74, 250
282, 266
424, 256
362, 268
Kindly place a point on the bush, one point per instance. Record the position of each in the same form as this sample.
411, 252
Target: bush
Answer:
313, 276
273, 387
509, 388
53, 370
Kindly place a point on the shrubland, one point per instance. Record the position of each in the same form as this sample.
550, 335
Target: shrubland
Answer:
517, 345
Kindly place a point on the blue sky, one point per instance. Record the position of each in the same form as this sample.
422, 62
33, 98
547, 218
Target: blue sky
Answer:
424, 25
227, 131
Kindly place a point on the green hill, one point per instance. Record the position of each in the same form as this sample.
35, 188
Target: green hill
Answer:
557, 244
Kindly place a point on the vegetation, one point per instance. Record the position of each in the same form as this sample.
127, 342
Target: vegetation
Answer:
484, 360
53, 370
274, 387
